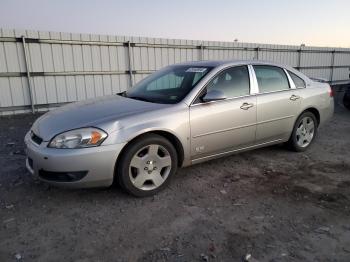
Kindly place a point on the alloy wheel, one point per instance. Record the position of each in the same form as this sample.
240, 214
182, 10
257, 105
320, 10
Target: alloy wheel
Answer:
150, 167
305, 131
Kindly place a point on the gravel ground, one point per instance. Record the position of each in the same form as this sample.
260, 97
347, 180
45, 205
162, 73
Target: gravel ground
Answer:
271, 203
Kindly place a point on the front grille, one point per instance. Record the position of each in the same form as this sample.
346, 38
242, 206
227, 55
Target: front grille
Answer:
36, 139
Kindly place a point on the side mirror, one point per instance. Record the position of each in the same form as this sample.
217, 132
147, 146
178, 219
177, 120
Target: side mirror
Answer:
214, 95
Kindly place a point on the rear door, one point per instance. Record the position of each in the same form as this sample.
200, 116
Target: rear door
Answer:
278, 103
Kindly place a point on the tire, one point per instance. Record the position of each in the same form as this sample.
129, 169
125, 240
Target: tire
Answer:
147, 165
301, 139
346, 100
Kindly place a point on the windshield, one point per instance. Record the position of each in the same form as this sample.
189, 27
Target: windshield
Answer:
169, 85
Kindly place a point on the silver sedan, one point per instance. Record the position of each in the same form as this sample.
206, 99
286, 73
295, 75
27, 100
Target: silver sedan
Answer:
181, 115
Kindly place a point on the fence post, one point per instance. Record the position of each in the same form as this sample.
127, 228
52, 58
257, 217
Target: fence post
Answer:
27, 64
332, 67
202, 51
299, 58
257, 53
130, 57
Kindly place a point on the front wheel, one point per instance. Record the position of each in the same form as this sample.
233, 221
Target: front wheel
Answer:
147, 165
304, 132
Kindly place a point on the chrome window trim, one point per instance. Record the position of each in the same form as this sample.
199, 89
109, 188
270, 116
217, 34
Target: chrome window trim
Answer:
277, 91
282, 90
302, 87
291, 82
224, 100
254, 86
215, 75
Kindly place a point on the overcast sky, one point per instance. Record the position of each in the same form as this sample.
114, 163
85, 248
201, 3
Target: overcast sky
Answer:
320, 23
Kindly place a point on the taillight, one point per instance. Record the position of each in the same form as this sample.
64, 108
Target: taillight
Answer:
331, 92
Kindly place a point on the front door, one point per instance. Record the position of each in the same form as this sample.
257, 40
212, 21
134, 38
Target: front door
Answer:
225, 125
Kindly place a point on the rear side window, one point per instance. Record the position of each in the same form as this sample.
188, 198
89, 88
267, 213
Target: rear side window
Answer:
298, 81
271, 78
233, 82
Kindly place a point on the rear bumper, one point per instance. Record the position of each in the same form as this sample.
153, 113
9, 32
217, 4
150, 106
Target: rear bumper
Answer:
327, 112
79, 168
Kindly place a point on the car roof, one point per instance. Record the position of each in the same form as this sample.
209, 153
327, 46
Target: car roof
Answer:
215, 63
223, 63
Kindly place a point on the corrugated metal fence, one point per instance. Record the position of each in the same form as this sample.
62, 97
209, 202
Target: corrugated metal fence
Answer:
40, 70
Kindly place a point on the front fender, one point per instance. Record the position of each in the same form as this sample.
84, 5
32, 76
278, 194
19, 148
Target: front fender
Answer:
175, 123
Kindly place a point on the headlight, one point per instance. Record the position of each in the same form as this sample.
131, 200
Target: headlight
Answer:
79, 138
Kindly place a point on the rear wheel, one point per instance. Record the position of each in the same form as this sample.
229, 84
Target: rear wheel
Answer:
147, 165
304, 132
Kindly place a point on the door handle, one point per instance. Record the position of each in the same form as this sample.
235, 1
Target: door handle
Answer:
294, 97
246, 106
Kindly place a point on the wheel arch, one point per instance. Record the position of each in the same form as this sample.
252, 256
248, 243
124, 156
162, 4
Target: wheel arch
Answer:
314, 111
173, 139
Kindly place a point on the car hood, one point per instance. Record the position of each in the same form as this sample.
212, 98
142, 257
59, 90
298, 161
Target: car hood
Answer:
103, 111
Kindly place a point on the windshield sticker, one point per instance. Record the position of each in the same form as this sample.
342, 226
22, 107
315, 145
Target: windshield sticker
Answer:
196, 70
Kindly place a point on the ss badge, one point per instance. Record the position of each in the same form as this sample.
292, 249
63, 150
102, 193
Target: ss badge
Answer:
199, 149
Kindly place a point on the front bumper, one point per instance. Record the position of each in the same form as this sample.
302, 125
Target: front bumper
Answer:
88, 167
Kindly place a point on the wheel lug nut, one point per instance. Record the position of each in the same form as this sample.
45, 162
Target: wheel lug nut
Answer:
147, 162
155, 168
146, 168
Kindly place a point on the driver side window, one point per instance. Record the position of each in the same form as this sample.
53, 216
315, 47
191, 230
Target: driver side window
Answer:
233, 82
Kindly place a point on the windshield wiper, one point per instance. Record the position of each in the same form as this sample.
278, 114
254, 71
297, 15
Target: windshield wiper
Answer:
122, 94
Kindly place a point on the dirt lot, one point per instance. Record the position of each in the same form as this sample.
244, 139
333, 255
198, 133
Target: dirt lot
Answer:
271, 203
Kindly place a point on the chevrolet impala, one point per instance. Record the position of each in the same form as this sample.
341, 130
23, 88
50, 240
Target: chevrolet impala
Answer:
178, 116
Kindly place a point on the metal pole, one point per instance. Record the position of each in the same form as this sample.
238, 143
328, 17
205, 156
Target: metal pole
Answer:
332, 67
130, 64
202, 52
299, 58
26, 60
257, 53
